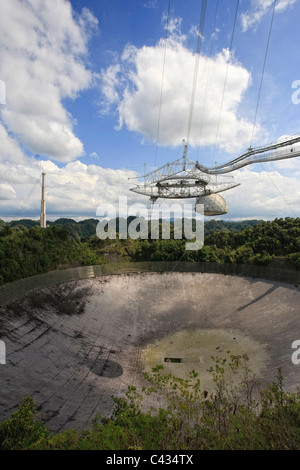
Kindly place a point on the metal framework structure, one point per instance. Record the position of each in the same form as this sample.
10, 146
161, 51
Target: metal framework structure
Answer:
181, 179
185, 178
271, 152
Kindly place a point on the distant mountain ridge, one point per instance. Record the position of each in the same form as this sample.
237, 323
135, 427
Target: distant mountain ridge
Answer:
27, 251
87, 228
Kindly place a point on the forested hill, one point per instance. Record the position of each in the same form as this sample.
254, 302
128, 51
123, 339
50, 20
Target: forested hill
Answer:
29, 251
26, 252
87, 228
223, 225
78, 230
276, 242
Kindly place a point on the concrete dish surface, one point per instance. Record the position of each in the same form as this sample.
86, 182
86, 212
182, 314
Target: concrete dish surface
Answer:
74, 346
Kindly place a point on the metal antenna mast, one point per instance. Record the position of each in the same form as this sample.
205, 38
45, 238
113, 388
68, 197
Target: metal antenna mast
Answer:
43, 204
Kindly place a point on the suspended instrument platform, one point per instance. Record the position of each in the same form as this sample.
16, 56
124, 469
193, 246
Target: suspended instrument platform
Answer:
184, 178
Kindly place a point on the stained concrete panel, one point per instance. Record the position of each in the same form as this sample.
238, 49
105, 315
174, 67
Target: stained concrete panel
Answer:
74, 346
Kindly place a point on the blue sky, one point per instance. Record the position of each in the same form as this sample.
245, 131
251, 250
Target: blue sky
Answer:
88, 103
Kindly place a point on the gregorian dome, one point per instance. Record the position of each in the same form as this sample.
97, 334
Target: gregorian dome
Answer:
214, 204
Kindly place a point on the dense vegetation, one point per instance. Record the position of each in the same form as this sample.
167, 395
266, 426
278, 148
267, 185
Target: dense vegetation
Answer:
232, 417
78, 230
25, 251
239, 417
260, 243
87, 228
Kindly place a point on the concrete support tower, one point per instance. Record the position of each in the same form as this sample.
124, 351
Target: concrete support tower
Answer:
43, 203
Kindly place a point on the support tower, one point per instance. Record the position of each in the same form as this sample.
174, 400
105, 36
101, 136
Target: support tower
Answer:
43, 204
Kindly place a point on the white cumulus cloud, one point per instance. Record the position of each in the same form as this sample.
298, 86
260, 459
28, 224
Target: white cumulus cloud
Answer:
132, 87
259, 8
43, 49
263, 194
76, 190
7, 192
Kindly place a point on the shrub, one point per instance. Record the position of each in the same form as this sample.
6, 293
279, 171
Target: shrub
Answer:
231, 417
23, 428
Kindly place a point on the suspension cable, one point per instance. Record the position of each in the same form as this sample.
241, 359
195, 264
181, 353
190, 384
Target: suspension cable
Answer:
209, 66
25, 199
196, 67
257, 105
263, 71
226, 76
162, 82
280, 192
